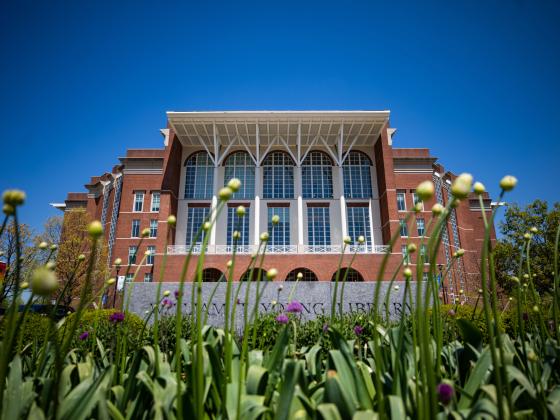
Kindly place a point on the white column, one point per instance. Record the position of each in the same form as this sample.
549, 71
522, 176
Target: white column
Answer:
342, 204
213, 208
297, 190
372, 241
257, 211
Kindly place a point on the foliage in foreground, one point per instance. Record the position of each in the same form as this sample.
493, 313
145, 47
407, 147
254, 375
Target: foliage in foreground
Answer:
432, 364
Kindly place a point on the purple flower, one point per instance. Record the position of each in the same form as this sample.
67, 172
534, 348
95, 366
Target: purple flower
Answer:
325, 327
238, 301
116, 317
295, 307
525, 316
176, 293
451, 313
84, 335
282, 319
167, 303
358, 330
445, 393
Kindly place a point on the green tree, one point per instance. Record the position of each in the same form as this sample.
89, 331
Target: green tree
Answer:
511, 246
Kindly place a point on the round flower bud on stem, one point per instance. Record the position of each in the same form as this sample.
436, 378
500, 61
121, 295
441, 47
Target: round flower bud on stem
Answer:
527, 236
44, 282
206, 226
50, 265
437, 209
271, 274
241, 211
43, 245
171, 220
264, 236
361, 240
411, 248
229, 264
275, 219
111, 281
54, 247
299, 275
81, 257
234, 184
118, 263
425, 190
479, 188
534, 230
418, 207
166, 293
225, 193
145, 232
24, 285
14, 197
462, 186
407, 273
508, 183
347, 240
236, 234
459, 253
95, 229
8, 209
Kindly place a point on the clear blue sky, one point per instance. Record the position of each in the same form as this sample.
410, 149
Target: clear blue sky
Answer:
478, 82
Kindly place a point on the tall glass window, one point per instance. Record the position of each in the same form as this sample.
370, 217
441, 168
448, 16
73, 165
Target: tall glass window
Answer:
199, 176
155, 201
153, 228
280, 233
403, 227
241, 224
421, 227
405, 254
318, 226
401, 200
424, 254
195, 218
278, 176
151, 253
132, 250
240, 165
148, 277
358, 223
417, 200
316, 174
135, 229
357, 175
138, 201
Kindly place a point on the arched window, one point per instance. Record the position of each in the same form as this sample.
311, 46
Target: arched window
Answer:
353, 275
199, 176
357, 175
240, 165
212, 275
316, 176
278, 176
308, 275
255, 277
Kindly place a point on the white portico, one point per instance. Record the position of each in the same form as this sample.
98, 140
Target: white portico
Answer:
315, 169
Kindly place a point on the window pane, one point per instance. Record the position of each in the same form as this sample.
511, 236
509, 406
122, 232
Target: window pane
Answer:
280, 233
403, 227
241, 224
357, 176
406, 256
278, 176
148, 277
420, 226
199, 176
153, 228
138, 201
318, 226
401, 201
240, 165
316, 174
132, 254
358, 223
155, 201
150, 258
195, 218
135, 233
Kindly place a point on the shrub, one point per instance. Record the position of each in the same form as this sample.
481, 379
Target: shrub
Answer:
97, 324
166, 333
32, 331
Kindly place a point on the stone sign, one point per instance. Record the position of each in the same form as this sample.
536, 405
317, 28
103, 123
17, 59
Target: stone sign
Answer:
315, 297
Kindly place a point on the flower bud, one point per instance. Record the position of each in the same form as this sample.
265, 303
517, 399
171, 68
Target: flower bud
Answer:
145, 232
411, 248
225, 193
236, 234
43, 281
510, 299
508, 183
396, 287
206, 226
166, 293
460, 252
407, 273
535, 309
241, 211
437, 209
43, 245
111, 281
264, 236
54, 247
275, 219
24, 285
14, 197
534, 230
425, 190
299, 275
95, 229
8, 209
347, 240
118, 262
480, 291
229, 264
50, 265
271, 274
171, 220
462, 186
514, 279
281, 287
527, 236
361, 239
525, 276
81, 257
461, 292
479, 188
234, 184
418, 208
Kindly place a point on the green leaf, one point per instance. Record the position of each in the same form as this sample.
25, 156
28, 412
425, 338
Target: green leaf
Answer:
516, 374
18, 395
396, 405
292, 371
257, 378
469, 332
328, 412
476, 379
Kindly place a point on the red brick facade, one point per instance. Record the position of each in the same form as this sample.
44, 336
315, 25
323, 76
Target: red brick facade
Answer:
397, 170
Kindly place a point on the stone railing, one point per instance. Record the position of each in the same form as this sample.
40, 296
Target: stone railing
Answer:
278, 249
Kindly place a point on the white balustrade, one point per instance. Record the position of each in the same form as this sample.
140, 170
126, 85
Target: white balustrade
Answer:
278, 249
